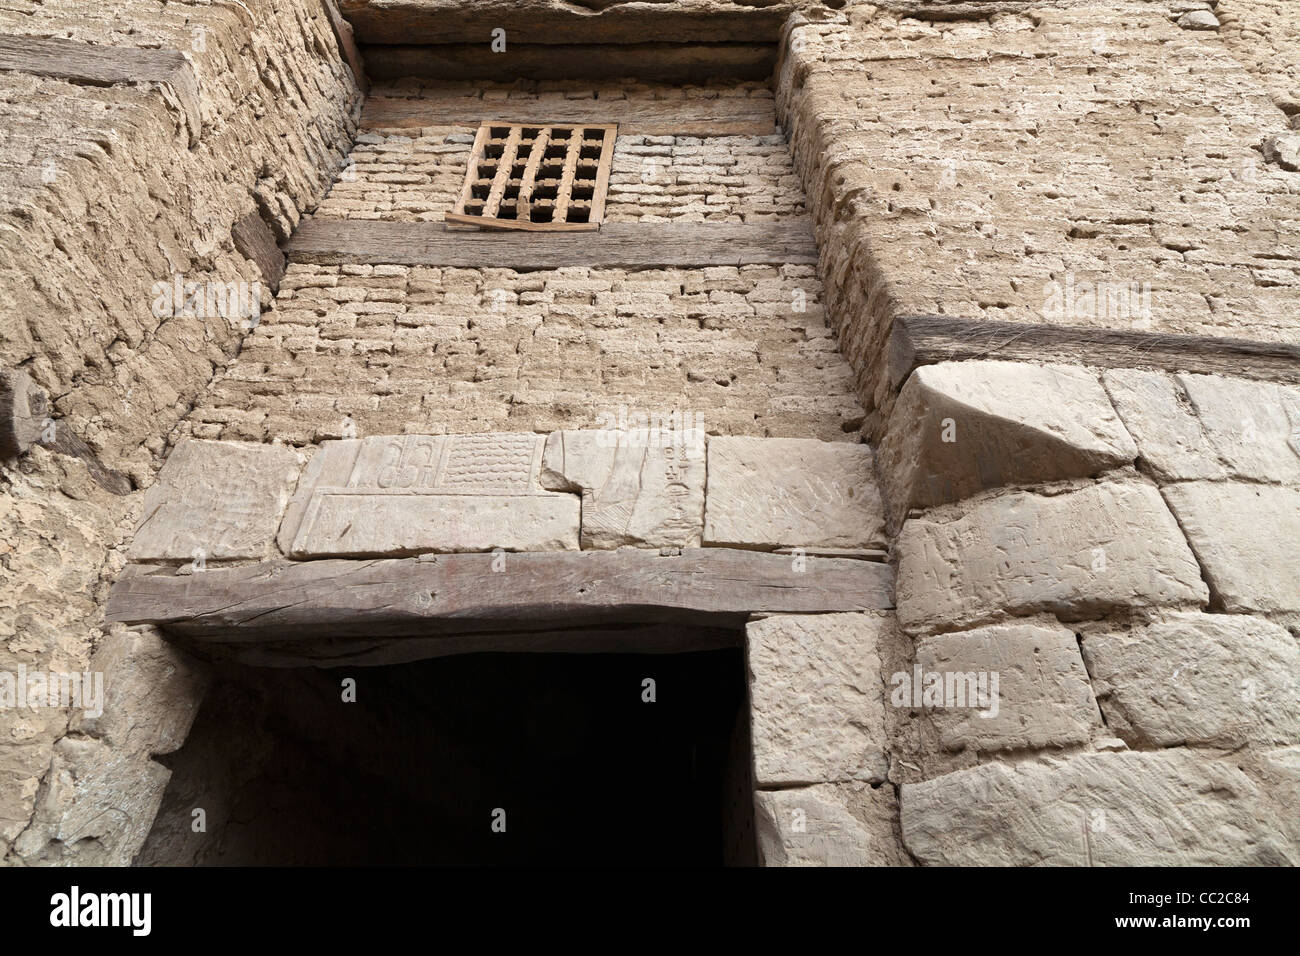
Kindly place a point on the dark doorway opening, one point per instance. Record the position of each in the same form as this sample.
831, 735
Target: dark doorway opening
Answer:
483, 759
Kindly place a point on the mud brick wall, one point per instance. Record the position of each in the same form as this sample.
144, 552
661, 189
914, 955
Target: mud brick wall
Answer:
1121, 149
413, 175
396, 349
108, 189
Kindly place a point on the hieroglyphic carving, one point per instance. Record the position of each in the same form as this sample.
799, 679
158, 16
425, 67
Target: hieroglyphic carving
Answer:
409, 494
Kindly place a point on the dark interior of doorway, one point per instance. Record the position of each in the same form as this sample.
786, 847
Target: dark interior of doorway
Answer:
435, 758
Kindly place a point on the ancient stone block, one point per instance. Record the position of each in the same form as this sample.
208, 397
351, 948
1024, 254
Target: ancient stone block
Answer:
777, 492
1220, 679
1247, 537
1253, 426
817, 699
834, 824
646, 491
1170, 808
1074, 554
152, 692
411, 494
1170, 437
1005, 687
1191, 427
961, 427
95, 808
215, 500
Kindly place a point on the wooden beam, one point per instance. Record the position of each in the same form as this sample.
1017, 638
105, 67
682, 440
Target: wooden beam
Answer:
917, 340
255, 241
462, 594
566, 21
725, 116
655, 62
24, 410
618, 245
346, 39
106, 65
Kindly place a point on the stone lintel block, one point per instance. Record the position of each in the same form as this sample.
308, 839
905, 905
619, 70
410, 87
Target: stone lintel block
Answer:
768, 493
222, 497
395, 495
1167, 808
637, 490
1189, 678
831, 824
1013, 686
962, 427
1075, 554
817, 698
1247, 537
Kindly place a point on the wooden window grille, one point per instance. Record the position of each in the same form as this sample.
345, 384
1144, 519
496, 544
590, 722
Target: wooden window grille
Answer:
544, 178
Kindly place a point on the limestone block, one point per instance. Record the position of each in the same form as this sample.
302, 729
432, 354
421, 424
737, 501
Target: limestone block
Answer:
1170, 437
410, 494
1253, 426
1248, 539
1036, 690
1075, 554
961, 427
645, 491
1191, 427
152, 692
1198, 20
1218, 679
816, 698
797, 492
1284, 150
96, 807
224, 498
834, 824
1168, 808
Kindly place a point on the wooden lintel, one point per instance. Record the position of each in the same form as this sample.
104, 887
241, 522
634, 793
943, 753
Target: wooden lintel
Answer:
725, 116
558, 22
654, 62
98, 64
463, 594
917, 340
617, 245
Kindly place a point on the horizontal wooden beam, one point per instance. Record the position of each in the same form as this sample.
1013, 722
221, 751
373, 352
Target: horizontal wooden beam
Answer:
725, 116
106, 65
655, 62
917, 340
255, 241
618, 245
565, 21
463, 594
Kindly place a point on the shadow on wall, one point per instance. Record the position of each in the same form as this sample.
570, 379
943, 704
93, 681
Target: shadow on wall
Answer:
434, 759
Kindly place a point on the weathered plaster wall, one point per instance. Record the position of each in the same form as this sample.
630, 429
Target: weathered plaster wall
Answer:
107, 190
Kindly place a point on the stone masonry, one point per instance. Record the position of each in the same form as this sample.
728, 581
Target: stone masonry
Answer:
1087, 648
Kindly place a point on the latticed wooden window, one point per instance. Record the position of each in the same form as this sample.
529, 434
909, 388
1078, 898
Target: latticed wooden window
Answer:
536, 177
